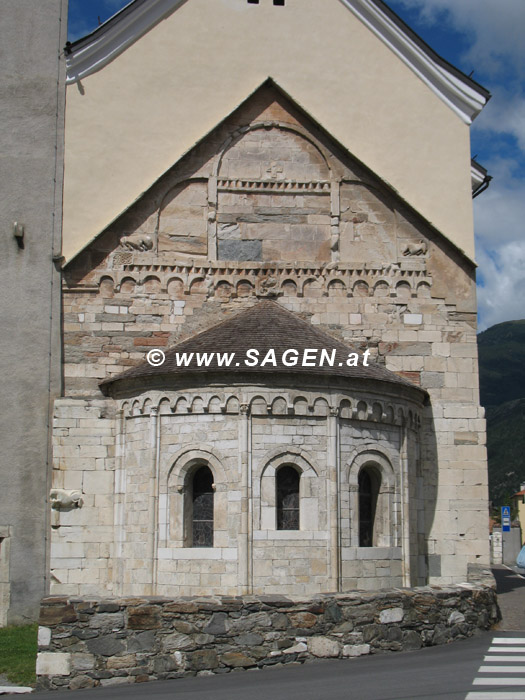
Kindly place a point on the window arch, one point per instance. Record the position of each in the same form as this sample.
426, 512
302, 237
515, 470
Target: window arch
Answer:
369, 484
200, 508
287, 497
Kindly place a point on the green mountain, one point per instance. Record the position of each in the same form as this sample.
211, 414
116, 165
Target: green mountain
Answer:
502, 387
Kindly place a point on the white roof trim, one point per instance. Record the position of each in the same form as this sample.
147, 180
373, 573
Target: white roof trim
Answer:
460, 96
115, 35
477, 176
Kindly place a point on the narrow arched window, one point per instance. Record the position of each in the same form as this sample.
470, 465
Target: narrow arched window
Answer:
202, 508
287, 486
369, 483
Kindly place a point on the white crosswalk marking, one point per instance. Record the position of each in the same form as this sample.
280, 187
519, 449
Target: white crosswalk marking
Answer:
502, 671
499, 681
491, 695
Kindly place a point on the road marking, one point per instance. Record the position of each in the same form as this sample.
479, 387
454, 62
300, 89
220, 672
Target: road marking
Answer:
501, 669
504, 650
514, 572
491, 695
499, 681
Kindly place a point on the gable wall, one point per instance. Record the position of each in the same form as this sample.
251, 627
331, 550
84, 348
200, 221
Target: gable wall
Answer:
127, 123
386, 281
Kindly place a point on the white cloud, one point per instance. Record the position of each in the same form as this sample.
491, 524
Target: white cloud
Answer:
504, 114
499, 221
499, 212
495, 28
501, 297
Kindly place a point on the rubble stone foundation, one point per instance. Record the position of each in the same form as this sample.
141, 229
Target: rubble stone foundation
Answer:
87, 642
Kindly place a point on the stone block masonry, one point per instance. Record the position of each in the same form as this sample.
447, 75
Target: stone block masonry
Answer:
88, 642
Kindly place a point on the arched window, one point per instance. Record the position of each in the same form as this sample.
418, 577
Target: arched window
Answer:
201, 500
287, 487
369, 483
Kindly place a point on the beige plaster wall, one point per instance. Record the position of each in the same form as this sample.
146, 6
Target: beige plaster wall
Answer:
129, 122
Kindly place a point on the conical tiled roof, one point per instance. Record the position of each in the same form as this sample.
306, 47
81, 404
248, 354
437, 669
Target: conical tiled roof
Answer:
264, 327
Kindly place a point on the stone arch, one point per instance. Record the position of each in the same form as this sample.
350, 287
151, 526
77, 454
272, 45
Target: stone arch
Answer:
258, 406
424, 290
127, 285
186, 458
381, 288
198, 286
232, 141
165, 406
377, 412
183, 465
175, 288
223, 289
312, 287
336, 287
214, 405
360, 289
345, 408
244, 288
264, 481
403, 289
301, 406
321, 407
361, 411
289, 288
390, 415
279, 406
232, 405
180, 405
374, 460
107, 287
197, 405
152, 284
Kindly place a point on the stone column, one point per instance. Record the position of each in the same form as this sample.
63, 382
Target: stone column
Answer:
153, 497
119, 508
405, 508
212, 218
244, 548
333, 497
335, 215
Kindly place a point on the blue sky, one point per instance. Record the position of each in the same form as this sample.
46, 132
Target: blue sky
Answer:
487, 37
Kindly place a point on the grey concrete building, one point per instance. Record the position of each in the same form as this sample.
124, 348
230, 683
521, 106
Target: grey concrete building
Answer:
32, 95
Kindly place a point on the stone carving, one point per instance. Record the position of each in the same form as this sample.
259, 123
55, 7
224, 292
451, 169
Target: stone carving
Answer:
268, 285
419, 248
209, 283
62, 498
137, 241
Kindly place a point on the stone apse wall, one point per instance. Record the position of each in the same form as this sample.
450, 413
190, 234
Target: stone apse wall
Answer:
267, 206
92, 642
110, 543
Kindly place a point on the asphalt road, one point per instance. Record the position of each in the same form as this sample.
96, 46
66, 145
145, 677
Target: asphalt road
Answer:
490, 666
511, 597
